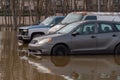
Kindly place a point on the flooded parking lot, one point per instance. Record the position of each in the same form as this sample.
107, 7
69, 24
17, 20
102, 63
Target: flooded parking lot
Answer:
16, 64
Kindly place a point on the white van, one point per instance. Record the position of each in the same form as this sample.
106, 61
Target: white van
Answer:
79, 16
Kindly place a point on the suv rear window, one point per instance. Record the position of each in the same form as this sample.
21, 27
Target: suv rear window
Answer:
91, 18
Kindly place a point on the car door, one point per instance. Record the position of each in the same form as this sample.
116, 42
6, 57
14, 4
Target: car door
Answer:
86, 40
106, 37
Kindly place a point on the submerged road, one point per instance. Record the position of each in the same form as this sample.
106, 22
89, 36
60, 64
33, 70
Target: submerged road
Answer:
15, 64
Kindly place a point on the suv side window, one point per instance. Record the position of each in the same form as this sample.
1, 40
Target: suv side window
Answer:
91, 18
86, 29
57, 20
105, 28
118, 27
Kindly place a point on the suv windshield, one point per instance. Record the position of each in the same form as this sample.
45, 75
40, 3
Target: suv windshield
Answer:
68, 28
47, 21
72, 17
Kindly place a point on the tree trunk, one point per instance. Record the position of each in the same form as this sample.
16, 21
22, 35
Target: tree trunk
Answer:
85, 5
14, 16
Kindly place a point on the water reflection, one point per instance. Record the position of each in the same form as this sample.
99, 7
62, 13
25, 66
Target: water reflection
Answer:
12, 67
117, 59
83, 67
15, 64
60, 61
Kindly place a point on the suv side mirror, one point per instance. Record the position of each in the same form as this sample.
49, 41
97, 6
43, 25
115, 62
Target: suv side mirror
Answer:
75, 33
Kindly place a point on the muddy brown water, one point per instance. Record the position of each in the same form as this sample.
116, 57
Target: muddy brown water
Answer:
16, 64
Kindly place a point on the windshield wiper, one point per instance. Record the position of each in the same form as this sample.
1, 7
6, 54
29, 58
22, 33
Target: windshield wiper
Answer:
65, 23
58, 32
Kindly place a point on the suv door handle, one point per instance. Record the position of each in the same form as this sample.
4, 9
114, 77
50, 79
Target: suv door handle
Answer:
93, 36
114, 35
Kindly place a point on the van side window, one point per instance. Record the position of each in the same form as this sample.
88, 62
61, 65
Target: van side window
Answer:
91, 18
118, 27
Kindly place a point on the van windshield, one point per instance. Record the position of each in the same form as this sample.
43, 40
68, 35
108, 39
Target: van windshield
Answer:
68, 28
72, 17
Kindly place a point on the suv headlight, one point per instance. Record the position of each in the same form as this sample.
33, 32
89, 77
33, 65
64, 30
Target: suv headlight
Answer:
25, 30
46, 40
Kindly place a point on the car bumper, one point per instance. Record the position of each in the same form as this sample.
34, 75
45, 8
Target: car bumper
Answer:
23, 37
37, 49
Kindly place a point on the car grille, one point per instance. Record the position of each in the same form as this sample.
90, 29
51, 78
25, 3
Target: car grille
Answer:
21, 31
33, 41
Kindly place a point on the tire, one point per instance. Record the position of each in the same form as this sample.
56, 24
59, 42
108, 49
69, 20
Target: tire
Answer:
117, 50
60, 50
117, 55
26, 41
36, 35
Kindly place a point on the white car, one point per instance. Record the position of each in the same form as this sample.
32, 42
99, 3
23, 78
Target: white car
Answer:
80, 16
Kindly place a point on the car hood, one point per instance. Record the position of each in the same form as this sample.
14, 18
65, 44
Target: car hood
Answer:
33, 26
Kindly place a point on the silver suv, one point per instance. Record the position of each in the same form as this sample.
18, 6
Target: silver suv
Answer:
82, 37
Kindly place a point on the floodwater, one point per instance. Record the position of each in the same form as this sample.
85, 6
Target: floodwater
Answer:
16, 64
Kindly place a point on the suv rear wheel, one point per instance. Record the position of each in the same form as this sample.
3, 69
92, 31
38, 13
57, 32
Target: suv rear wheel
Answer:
117, 50
60, 50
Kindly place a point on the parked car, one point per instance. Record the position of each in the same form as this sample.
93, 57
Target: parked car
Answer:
83, 37
80, 16
29, 32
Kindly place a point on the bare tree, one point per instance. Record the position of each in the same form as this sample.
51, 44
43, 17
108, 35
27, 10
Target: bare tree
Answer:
14, 16
109, 5
85, 5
